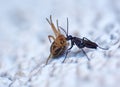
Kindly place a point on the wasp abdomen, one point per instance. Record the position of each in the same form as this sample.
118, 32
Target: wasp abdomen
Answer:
90, 44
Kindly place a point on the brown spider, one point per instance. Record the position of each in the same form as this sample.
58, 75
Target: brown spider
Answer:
59, 44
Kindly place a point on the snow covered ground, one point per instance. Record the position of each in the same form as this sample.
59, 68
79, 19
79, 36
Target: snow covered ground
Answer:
24, 44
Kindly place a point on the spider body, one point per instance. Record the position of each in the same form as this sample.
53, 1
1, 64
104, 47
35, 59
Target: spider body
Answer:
58, 47
59, 44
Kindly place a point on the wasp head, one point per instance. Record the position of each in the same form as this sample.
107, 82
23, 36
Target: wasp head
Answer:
69, 37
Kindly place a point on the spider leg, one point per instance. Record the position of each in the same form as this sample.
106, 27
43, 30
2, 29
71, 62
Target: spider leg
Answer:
58, 26
50, 36
56, 32
85, 54
48, 58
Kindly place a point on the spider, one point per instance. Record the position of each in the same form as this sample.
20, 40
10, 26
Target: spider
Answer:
59, 44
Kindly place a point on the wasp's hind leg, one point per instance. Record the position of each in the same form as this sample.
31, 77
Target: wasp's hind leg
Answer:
85, 54
66, 55
103, 48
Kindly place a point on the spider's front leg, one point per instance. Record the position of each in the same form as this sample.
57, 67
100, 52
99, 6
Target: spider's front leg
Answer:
56, 32
51, 37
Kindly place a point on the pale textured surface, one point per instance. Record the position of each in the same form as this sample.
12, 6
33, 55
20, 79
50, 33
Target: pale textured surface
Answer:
24, 45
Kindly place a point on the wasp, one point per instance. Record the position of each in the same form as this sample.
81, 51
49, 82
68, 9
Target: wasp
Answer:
80, 43
59, 44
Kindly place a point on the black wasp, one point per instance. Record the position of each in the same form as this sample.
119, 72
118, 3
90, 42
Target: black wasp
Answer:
80, 43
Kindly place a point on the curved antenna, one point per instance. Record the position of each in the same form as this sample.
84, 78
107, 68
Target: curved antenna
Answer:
63, 30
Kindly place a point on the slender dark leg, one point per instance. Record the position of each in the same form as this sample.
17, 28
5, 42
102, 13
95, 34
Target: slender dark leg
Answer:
72, 43
48, 58
85, 54
84, 38
68, 50
103, 48
66, 56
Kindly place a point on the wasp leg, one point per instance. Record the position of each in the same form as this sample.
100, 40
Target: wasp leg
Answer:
48, 58
68, 50
84, 38
66, 56
50, 36
72, 43
85, 54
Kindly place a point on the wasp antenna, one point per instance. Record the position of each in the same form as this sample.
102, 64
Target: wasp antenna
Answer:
63, 30
85, 54
103, 48
67, 26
